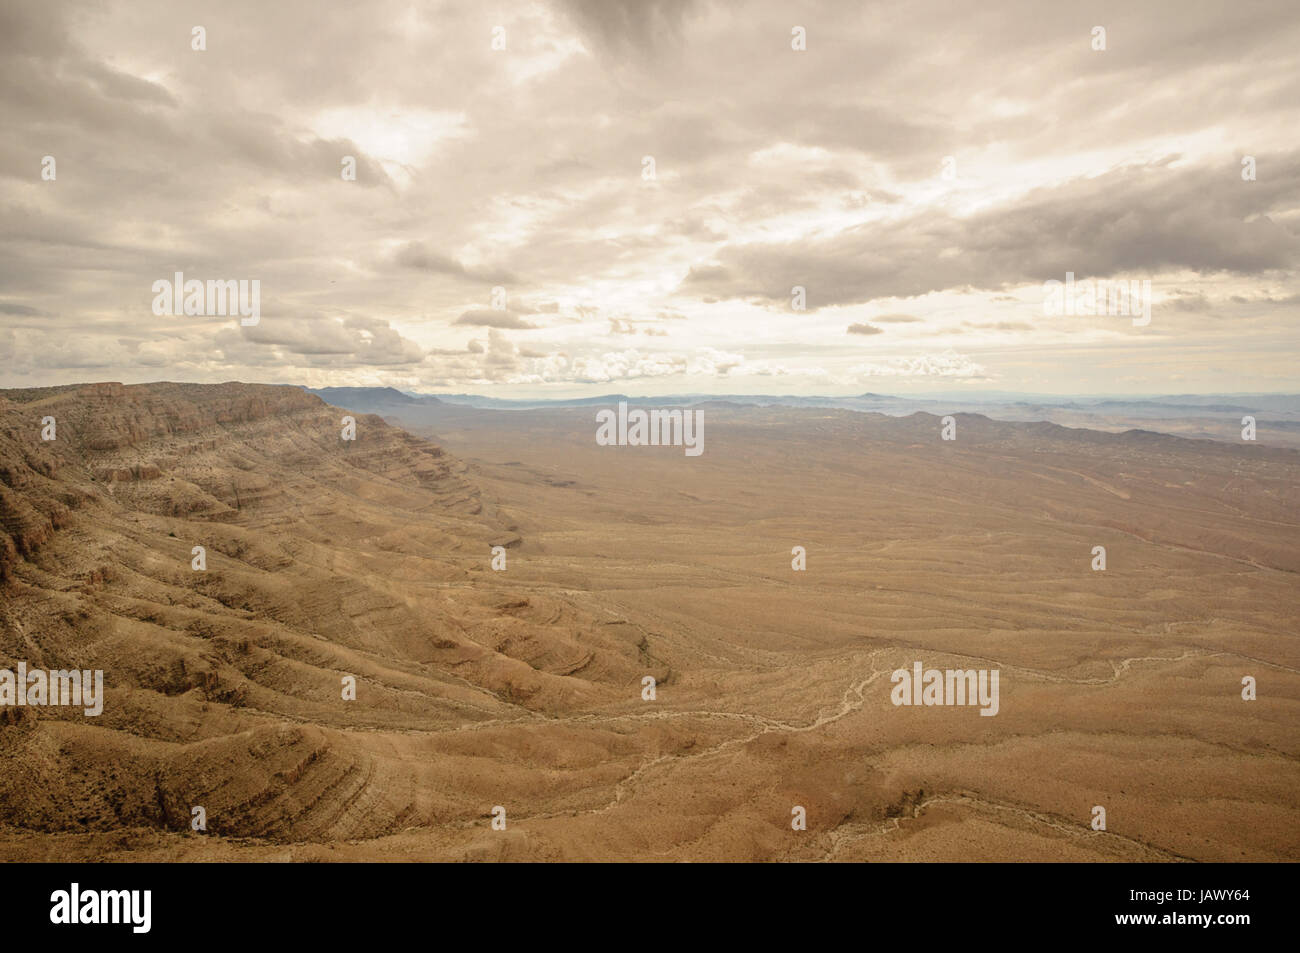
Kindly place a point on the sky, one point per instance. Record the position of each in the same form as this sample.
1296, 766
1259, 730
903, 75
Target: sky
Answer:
588, 196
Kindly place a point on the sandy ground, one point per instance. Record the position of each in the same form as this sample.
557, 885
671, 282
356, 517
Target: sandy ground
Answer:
523, 688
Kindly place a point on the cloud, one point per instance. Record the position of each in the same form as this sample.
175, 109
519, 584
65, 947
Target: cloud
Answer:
501, 361
522, 169
1133, 221
999, 326
630, 326
418, 256
620, 26
351, 340
865, 329
495, 318
20, 310
1195, 302
948, 364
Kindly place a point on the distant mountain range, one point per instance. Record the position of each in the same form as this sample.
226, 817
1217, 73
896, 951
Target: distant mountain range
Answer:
345, 396
1201, 416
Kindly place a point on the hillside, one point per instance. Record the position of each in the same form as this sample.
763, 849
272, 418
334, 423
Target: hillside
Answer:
522, 688
324, 557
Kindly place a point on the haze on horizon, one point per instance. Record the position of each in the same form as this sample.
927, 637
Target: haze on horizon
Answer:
523, 168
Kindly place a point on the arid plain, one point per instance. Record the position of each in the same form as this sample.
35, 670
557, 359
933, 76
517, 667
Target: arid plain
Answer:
522, 688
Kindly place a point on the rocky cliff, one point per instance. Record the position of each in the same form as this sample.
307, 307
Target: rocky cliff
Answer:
323, 558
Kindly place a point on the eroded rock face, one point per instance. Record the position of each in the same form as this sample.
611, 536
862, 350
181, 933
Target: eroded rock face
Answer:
324, 556
205, 441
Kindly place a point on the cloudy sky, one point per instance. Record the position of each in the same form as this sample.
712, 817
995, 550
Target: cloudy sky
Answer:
647, 182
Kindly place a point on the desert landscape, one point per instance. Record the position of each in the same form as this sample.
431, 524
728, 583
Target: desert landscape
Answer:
630, 432
520, 687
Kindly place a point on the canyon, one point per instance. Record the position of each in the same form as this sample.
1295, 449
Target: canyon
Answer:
522, 688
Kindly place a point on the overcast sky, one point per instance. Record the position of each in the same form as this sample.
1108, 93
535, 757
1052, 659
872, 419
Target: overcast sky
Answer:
525, 168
